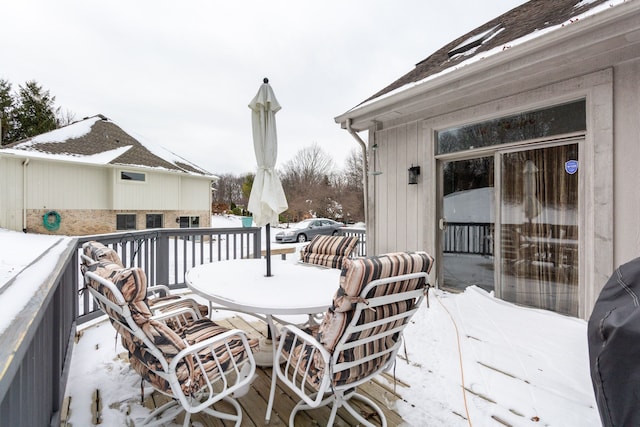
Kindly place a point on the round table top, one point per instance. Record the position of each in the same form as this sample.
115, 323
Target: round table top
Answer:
292, 288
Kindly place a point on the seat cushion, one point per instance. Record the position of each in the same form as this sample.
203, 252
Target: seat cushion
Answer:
190, 373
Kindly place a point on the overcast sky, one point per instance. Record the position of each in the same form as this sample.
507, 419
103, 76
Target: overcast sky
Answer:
181, 73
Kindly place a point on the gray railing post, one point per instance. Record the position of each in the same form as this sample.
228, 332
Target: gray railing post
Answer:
257, 244
162, 259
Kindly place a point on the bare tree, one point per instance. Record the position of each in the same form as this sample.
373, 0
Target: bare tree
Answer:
349, 187
309, 166
65, 117
228, 191
307, 182
312, 187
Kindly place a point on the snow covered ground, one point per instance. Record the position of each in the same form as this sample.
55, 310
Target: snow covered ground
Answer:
471, 359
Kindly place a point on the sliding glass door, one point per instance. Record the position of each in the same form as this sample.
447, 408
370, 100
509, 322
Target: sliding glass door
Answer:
467, 223
539, 228
528, 219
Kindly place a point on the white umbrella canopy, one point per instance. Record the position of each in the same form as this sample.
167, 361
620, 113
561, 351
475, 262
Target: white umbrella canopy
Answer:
267, 199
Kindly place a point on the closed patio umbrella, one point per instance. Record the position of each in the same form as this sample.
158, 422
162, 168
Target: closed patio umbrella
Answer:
532, 206
267, 199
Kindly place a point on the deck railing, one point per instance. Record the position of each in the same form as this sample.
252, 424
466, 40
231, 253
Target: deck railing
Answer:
468, 238
361, 234
36, 348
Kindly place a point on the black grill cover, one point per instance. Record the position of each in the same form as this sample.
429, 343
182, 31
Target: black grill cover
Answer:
614, 347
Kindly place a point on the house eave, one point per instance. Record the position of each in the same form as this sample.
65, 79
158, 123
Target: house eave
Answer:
535, 56
23, 155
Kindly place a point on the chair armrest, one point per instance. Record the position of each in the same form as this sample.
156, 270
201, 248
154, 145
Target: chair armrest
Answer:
224, 374
158, 290
297, 371
177, 318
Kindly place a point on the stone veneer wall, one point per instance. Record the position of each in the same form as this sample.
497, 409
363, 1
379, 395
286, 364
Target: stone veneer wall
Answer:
81, 222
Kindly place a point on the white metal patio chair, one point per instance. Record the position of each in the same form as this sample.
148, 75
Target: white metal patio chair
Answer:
196, 363
159, 297
358, 338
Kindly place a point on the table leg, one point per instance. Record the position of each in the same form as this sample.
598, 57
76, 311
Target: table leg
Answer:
266, 354
275, 366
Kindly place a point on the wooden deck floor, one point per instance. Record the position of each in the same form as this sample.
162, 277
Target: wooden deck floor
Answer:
254, 403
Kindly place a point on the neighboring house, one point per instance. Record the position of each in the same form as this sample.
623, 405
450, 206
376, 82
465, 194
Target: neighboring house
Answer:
91, 177
527, 134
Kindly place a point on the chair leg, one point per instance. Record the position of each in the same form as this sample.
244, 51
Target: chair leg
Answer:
369, 403
336, 403
237, 417
163, 414
170, 410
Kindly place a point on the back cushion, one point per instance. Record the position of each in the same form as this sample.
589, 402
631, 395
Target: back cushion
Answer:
356, 274
332, 245
131, 282
329, 251
99, 252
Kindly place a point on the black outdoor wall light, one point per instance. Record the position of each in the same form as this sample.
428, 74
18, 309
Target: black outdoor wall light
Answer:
414, 171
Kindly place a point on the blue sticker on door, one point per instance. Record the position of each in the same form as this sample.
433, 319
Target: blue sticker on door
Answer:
571, 166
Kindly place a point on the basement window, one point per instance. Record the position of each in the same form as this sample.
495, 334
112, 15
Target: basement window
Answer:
126, 221
154, 220
132, 176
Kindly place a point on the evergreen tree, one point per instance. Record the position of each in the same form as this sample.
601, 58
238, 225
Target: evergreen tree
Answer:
35, 112
6, 110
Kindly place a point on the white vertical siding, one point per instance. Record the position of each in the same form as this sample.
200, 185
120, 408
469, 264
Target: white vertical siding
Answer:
195, 193
11, 193
626, 162
398, 222
58, 185
162, 191
61, 185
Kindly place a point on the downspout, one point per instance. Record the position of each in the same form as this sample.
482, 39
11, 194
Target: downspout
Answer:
25, 163
365, 167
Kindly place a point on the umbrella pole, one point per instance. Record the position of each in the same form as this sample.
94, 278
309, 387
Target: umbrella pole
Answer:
268, 251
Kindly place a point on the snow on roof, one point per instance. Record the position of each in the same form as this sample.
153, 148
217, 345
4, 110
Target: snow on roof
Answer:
99, 141
75, 130
473, 55
103, 158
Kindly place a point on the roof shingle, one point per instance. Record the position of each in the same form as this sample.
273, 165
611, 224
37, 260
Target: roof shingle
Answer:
523, 20
97, 135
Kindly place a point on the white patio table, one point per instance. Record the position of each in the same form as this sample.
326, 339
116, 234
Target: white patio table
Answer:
241, 285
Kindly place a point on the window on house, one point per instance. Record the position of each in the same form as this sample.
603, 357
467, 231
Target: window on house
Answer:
126, 221
189, 221
556, 120
132, 176
154, 220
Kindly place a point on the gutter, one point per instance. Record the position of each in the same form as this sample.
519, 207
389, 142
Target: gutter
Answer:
25, 163
365, 168
417, 91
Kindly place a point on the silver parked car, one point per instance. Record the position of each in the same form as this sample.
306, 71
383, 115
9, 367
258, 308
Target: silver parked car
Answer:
305, 230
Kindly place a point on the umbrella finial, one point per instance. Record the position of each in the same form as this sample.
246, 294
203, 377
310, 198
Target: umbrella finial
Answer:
265, 80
